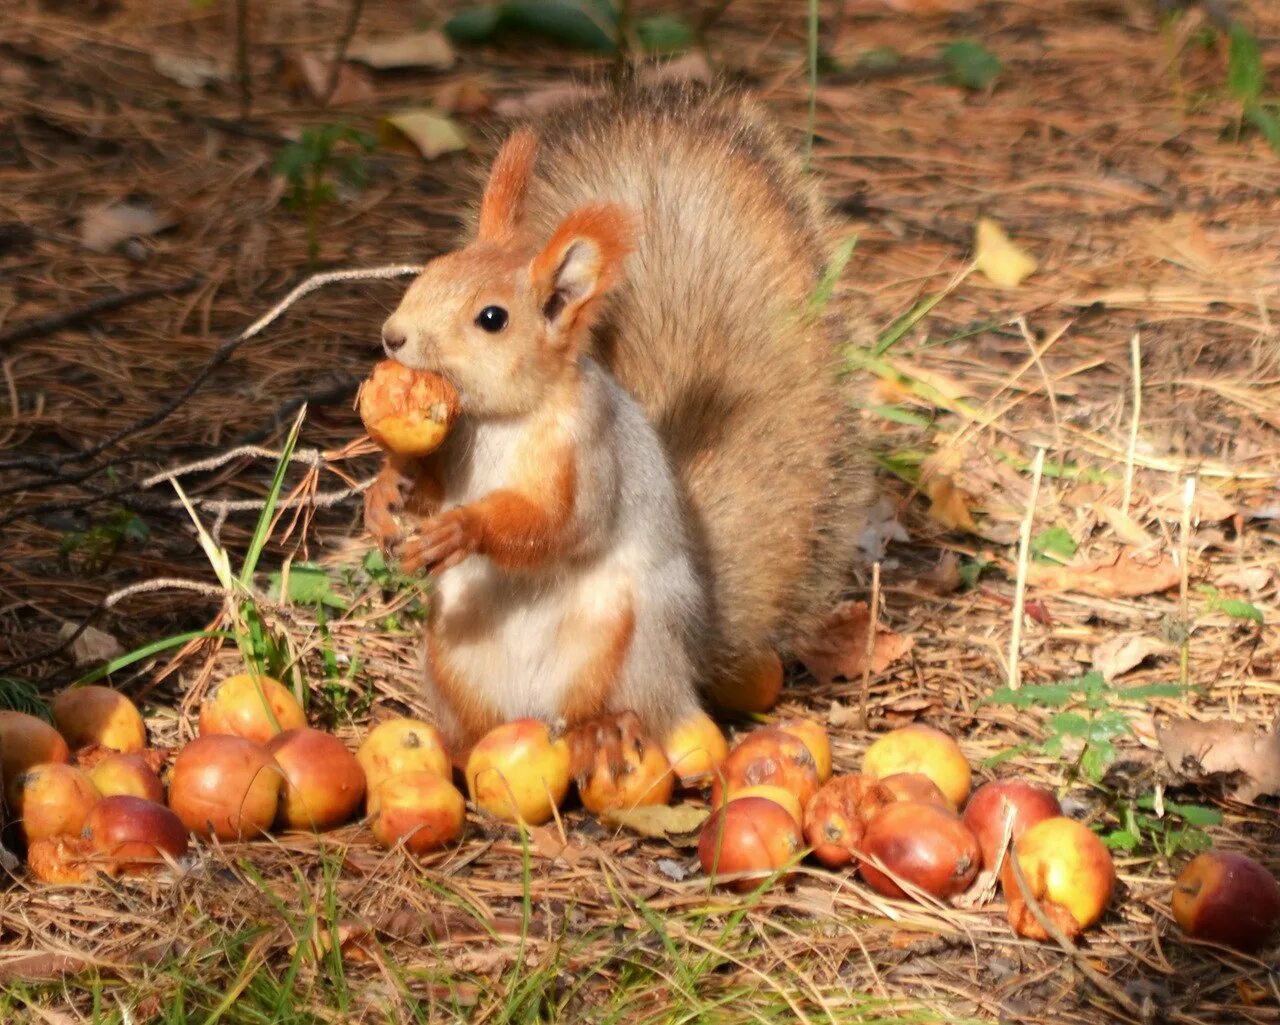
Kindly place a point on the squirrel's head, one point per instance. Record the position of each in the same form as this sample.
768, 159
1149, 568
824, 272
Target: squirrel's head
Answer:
506, 317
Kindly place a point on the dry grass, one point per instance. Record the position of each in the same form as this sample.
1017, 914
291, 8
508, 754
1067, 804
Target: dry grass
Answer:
1116, 174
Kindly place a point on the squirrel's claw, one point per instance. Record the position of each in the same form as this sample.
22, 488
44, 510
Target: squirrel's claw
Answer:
440, 543
383, 503
603, 741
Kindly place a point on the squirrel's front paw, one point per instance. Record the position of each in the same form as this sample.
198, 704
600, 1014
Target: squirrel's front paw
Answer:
443, 541
383, 504
603, 740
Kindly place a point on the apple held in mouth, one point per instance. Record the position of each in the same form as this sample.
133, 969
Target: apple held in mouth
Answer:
408, 412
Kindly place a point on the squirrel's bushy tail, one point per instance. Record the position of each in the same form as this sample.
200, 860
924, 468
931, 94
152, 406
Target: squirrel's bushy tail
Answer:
713, 334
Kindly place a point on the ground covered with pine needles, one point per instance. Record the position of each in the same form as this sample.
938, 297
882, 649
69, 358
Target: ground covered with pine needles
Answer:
1142, 353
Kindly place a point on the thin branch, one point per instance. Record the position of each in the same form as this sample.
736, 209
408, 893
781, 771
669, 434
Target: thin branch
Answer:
42, 326
340, 55
1020, 589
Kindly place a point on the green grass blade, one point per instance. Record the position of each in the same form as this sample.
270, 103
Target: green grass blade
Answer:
263, 529
146, 651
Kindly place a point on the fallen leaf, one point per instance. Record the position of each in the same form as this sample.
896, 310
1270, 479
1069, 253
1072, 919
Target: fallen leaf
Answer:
1128, 575
548, 843
1123, 652
945, 577
189, 70
353, 85
1002, 262
660, 821
432, 134
1199, 750
948, 504
541, 101
689, 67
106, 225
1127, 529
430, 49
1250, 579
463, 96
354, 938
1207, 506
838, 648
92, 646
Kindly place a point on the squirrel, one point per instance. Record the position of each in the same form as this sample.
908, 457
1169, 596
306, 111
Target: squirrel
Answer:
653, 483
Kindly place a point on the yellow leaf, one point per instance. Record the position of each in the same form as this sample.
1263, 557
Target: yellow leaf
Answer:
430, 49
659, 820
432, 133
999, 259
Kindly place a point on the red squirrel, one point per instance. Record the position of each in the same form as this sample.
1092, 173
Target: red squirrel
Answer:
653, 483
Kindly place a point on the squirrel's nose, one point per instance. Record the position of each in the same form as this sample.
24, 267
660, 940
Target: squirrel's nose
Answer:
393, 339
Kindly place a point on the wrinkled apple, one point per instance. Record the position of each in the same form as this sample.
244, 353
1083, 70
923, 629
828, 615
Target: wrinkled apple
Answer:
767, 756
749, 839
1068, 871
836, 816
407, 411
1227, 898
253, 707
126, 774
61, 860
133, 835
1023, 804
225, 786
99, 715
924, 844
695, 749
815, 738
644, 778
516, 772
419, 809
323, 782
396, 746
51, 799
920, 748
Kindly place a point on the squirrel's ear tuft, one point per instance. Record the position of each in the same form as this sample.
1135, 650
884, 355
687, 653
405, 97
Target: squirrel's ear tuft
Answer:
582, 261
502, 207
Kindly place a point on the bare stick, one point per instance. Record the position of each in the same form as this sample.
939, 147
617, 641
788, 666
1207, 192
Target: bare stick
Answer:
873, 623
1135, 348
1060, 938
1020, 590
1184, 570
47, 325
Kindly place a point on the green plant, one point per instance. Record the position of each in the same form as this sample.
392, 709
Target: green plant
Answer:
311, 165
1168, 827
1246, 81
1091, 714
22, 696
97, 546
1236, 608
602, 26
970, 64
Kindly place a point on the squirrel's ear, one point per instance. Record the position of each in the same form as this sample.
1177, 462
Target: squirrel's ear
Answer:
502, 207
581, 262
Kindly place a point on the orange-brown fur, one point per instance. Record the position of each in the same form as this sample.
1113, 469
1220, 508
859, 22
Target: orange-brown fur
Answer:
609, 643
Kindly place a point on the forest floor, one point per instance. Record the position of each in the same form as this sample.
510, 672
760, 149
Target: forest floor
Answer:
1108, 146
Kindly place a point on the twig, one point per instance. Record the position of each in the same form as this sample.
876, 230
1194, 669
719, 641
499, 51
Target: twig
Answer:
1060, 938
1135, 348
340, 55
1020, 590
117, 300
285, 411
220, 356
1184, 573
873, 622
242, 57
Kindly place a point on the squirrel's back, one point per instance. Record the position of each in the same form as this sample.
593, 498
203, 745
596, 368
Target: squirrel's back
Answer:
711, 331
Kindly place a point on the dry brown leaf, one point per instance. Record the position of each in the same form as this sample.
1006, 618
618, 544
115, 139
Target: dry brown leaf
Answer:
464, 96
670, 822
1250, 579
1128, 575
948, 504
92, 646
548, 843
353, 85
432, 134
106, 225
355, 938
1126, 528
1198, 750
430, 49
537, 102
838, 648
1123, 652
945, 577
191, 70
1208, 506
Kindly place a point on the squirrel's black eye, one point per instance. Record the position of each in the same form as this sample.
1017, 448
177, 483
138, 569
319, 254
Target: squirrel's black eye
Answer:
492, 319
